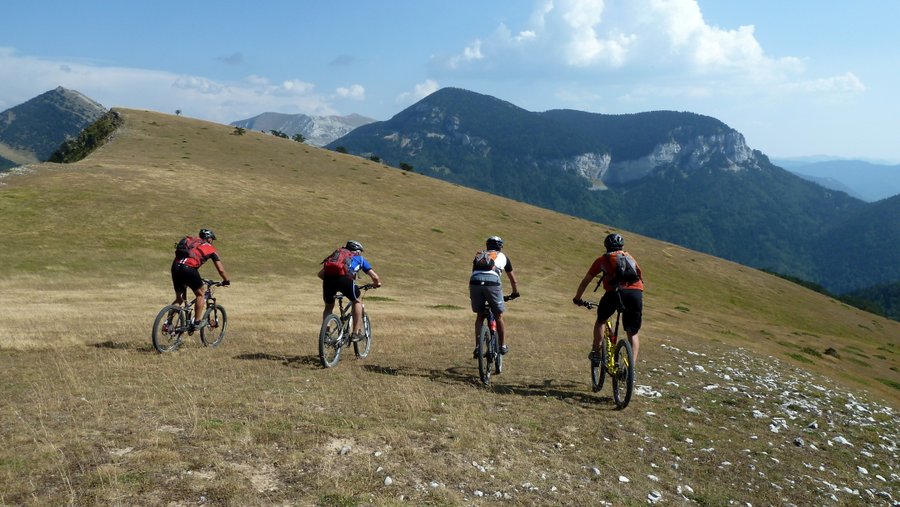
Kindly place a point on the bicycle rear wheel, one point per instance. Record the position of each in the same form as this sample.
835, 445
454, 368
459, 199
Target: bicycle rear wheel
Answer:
330, 341
484, 361
213, 332
598, 370
363, 346
168, 328
623, 379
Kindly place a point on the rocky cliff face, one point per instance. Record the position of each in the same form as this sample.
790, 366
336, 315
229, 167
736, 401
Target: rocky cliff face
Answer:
726, 152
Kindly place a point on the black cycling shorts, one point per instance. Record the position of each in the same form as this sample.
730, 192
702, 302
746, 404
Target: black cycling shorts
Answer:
331, 285
185, 276
632, 299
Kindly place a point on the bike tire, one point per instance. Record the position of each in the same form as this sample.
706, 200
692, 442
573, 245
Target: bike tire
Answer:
498, 357
598, 372
331, 340
484, 361
167, 336
364, 345
213, 332
623, 380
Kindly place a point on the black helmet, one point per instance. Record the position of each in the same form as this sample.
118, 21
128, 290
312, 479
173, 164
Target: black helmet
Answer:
207, 234
354, 246
613, 242
494, 243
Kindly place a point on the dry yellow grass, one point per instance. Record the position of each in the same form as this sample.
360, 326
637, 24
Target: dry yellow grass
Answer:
90, 414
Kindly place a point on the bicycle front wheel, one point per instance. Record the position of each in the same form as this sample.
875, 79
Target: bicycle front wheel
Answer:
363, 346
623, 379
484, 353
330, 341
213, 332
168, 328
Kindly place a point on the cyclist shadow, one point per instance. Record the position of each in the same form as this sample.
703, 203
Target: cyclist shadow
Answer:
292, 361
463, 375
109, 344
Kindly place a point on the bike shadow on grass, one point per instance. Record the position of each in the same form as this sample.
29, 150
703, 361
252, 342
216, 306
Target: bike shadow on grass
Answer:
565, 391
109, 344
292, 361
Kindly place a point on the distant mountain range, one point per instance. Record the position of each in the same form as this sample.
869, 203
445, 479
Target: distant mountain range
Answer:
32, 131
862, 179
318, 130
682, 177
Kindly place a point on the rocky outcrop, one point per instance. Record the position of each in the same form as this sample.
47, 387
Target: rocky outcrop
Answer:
726, 152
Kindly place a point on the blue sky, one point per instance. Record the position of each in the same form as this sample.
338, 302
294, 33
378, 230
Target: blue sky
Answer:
797, 77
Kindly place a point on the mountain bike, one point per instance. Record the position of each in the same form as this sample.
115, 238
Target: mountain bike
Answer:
488, 348
173, 321
616, 359
337, 330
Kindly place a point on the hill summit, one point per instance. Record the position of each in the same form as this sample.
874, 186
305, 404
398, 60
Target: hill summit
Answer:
33, 130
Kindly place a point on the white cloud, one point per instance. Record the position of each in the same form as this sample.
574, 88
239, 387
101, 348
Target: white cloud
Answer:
419, 92
661, 46
355, 92
23, 78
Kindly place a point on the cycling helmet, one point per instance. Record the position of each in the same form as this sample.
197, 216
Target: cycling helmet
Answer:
494, 243
207, 234
613, 242
354, 246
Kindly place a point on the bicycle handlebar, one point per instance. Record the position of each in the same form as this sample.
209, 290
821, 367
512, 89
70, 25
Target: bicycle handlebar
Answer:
589, 305
368, 286
213, 283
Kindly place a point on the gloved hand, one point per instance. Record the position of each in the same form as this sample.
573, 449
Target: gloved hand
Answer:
514, 295
226, 282
578, 301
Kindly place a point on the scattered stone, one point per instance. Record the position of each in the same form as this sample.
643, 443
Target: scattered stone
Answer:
798, 442
841, 440
699, 369
813, 425
654, 496
624, 479
377, 454
596, 471
862, 470
388, 481
478, 493
653, 478
344, 450
646, 391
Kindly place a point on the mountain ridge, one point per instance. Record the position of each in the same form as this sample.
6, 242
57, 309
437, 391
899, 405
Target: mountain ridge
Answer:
654, 172
33, 130
318, 130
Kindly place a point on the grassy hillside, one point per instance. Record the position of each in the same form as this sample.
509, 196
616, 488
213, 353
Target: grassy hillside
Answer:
89, 414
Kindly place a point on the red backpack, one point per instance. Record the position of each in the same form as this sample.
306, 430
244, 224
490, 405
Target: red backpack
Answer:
189, 247
338, 263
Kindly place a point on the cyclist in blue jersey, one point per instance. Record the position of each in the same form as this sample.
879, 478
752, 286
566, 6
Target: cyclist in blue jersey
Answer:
344, 282
485, 287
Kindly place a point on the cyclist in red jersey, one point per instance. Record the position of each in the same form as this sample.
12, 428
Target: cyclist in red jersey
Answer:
630, 291
186, 273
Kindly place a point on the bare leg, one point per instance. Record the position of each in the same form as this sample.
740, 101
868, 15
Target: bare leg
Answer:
635, 345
